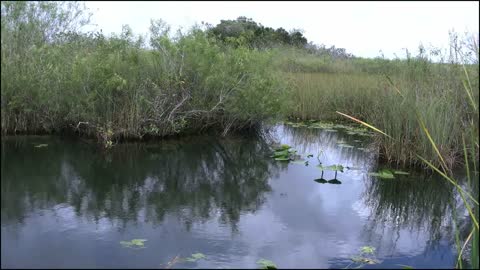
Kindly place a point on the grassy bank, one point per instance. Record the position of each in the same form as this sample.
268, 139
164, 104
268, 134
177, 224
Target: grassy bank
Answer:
120, 86
55, 78
392, 99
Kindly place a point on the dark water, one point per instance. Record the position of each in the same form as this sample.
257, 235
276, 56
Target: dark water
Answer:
70, 204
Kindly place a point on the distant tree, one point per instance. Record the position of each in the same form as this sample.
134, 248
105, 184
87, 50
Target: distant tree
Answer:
245, 31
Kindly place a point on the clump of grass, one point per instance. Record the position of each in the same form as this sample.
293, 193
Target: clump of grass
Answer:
439, 160
394, 98
56, 78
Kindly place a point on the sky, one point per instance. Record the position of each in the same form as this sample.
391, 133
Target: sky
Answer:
362, 28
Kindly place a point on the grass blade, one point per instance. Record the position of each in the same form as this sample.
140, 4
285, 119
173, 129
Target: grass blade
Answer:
365, 124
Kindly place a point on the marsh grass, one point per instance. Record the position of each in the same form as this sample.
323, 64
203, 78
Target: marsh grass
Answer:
393, 99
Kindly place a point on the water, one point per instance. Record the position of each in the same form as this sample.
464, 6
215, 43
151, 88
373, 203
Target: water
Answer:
70, 204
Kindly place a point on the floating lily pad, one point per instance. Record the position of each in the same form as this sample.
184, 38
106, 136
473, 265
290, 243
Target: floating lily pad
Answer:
367, 249
385, 174
281, 153
266, 264
364, 260
41, 145
195, 257
331, 168
282, 147
134, 243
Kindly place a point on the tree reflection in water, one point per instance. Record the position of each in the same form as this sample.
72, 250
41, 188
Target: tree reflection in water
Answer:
193, 178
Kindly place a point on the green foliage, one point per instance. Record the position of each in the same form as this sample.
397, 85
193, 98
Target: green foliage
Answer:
134, 243
195, 257
245, 32
41, 145
390, 94
55, 78
331, 168
266, 264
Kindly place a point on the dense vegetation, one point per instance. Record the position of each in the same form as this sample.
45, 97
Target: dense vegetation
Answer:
54, 77
235, 75
232, 76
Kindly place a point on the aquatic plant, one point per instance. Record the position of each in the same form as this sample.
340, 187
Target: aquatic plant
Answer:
266, 264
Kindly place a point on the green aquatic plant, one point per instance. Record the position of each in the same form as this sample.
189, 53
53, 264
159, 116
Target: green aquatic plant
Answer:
387, 174
366, 256
41, 145
195, 257
134, 243
266, 264
336, 167
367, 250
384, 174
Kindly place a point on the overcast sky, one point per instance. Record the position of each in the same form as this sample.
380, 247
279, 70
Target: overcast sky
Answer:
363, 28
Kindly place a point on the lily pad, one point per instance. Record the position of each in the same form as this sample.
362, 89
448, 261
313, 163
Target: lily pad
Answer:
195, 257
367, 249
134, 243
364, 260
385, 174
331, 168
282, 147
266, 264
41, 145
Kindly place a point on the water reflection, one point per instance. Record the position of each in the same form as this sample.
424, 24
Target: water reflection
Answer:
193, 179
226, 198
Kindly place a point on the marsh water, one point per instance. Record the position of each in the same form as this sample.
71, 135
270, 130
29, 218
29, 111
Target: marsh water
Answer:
67, 204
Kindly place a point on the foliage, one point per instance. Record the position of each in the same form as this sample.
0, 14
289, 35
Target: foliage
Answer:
134, 243
266, 264
245, 31
55, 78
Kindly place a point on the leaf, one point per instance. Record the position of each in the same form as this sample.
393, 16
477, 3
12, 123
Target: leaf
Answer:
401, 172
282, 158
331, 168
41, 145
281, 153
266, 264
367, 249
385, 174
134, 243
195, 257
198, 256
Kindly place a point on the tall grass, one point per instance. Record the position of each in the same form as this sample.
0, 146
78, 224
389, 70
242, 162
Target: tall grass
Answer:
117, 86
392, 99
469, 144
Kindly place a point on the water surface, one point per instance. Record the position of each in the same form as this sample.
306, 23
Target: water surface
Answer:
70, 204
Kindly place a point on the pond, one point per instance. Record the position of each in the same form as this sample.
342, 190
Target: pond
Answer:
67, 204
